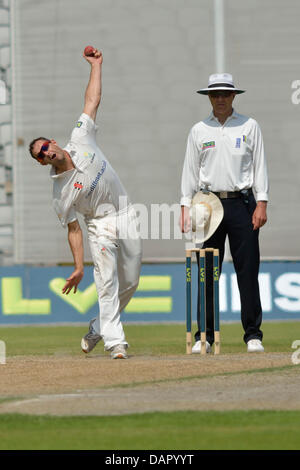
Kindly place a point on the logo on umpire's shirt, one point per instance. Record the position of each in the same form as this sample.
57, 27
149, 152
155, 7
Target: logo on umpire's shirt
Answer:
238, 141
208, 145
78, 185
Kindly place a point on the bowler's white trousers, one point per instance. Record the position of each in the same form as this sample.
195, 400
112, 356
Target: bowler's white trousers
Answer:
116, 250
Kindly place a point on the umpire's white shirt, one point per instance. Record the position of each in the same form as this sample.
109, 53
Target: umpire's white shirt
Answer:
228, 157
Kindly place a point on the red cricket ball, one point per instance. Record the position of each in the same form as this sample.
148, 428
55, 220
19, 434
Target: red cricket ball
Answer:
89, 51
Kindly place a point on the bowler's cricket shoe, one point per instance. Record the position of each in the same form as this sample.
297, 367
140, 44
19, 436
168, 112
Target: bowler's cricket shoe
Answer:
196, 349
90, 340
255, 345
119, 352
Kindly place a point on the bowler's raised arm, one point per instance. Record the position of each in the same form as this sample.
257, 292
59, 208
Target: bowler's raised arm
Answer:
92, 96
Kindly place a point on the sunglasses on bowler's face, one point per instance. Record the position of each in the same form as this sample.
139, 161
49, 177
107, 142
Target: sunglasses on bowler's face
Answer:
44, 148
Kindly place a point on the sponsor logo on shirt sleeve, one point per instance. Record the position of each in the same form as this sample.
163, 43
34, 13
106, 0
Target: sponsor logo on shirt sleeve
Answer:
89, 155
79, 124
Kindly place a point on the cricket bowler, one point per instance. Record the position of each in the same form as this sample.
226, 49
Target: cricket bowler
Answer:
84, 182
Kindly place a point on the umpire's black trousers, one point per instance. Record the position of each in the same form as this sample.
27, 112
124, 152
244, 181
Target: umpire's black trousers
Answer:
244, 247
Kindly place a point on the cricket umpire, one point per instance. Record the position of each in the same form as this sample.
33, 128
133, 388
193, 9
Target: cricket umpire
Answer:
85, 182
225, 155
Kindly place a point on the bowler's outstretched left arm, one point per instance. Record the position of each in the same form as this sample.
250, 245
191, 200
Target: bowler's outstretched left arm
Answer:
76, 244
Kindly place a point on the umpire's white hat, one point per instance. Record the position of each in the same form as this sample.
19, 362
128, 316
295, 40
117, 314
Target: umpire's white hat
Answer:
220, 81
206, 213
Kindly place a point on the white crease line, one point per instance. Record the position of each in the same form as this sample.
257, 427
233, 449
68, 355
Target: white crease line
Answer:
41, 398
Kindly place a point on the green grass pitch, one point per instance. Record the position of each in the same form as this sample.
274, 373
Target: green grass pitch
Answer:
236, 430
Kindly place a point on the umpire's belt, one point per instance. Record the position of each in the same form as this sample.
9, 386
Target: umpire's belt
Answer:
232, 194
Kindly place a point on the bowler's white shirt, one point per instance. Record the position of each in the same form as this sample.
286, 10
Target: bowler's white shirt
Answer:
92, 188
228, 157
